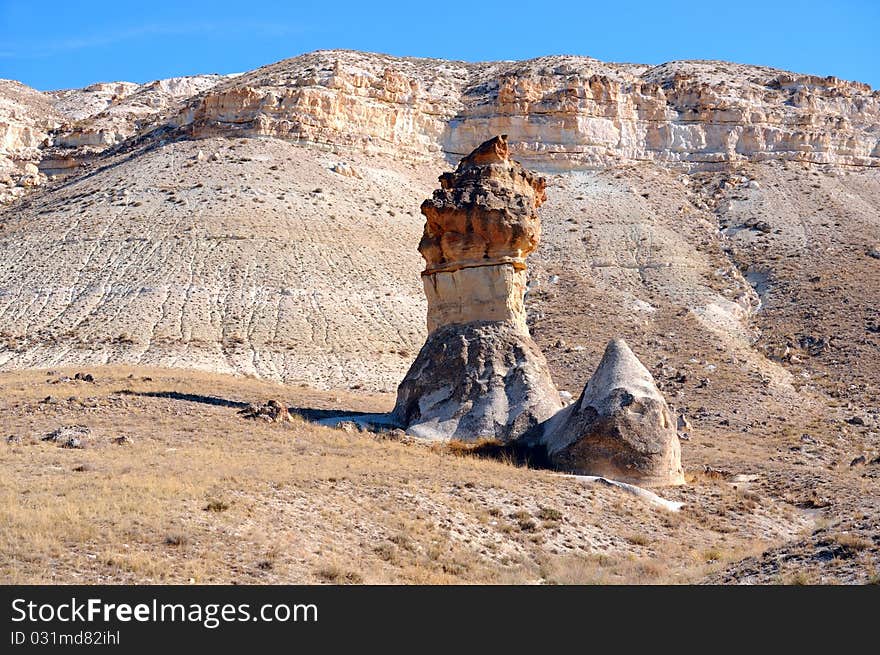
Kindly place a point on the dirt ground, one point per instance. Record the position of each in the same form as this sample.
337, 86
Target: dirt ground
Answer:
197, 493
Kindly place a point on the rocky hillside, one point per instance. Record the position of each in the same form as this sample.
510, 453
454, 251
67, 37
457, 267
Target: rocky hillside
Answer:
560, 112
266, 223
47, 134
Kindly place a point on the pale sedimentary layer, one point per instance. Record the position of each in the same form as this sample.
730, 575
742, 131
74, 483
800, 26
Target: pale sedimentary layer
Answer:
562, 112
480, 226
480, 293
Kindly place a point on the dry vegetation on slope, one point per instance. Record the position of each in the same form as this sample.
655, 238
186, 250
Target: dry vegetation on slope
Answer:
198, 493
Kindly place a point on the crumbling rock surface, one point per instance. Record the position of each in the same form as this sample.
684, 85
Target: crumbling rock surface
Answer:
484, 213
620, 427
480, 226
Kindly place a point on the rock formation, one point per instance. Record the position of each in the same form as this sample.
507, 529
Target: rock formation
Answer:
481, 225
26, 117
562, 111
479, 374
620, 427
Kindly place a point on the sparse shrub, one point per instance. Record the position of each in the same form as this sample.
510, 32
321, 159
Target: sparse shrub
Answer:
549, 514
333, 573
852, 542
215, 505
712, 555
798, 578
638, 539
386, 552
527, 525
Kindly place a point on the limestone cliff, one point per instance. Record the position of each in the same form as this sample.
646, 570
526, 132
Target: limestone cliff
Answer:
26, 118
560, 112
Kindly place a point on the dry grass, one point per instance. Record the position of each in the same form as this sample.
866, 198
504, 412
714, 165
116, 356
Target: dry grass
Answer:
202, 495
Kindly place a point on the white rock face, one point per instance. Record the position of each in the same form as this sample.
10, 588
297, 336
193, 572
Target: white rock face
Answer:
26, 118
559, 112
481, 293
106, 114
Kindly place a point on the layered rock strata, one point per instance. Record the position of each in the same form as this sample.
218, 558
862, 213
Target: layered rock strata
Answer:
561, 112
479, 374
480, 226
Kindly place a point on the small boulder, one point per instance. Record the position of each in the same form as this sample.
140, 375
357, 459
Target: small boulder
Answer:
345, 169
348, 426
683, 424
69, 436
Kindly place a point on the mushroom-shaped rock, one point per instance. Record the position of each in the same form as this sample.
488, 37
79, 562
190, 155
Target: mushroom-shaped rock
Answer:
620, 427
479, 374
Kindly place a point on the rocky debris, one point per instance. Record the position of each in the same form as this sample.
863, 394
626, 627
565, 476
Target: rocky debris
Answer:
69, 436
479, 375
874, 252
345, 169
480, 380
13, 440
619, 428
122, 440
351, 427
84, 377
271, 411
683, 424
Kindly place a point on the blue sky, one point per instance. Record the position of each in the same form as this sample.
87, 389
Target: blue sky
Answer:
52, 45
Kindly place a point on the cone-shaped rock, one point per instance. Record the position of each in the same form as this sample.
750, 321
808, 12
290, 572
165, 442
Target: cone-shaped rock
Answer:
479, 374
620, 427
